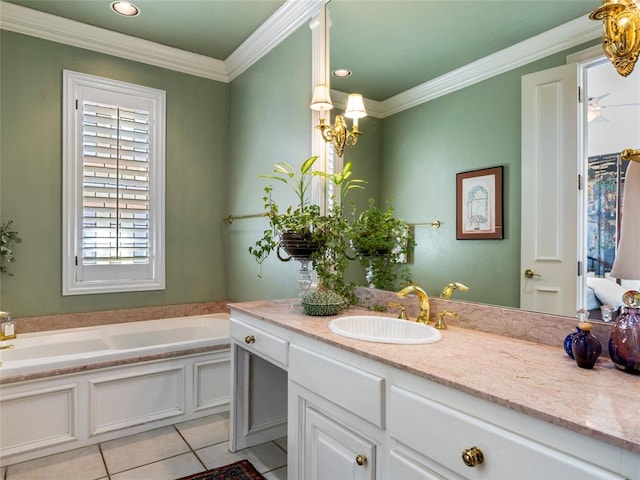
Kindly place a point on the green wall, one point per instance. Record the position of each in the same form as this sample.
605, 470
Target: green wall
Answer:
31, 177
270, 121
219, 139
424, 148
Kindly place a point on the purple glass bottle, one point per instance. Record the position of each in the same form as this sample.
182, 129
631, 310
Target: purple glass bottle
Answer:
585, 346
583, 316
624, 344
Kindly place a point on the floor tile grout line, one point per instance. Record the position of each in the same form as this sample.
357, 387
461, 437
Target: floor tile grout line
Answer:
104, 461
151, 463
281, 448
190, 447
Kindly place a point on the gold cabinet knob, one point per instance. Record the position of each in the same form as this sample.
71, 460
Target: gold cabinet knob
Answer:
530, 273
361, 459
249, 339
472, 457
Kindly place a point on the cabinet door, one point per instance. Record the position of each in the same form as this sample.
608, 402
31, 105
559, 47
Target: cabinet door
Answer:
333, 452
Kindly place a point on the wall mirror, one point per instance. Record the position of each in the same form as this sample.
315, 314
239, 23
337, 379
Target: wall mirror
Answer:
392, 47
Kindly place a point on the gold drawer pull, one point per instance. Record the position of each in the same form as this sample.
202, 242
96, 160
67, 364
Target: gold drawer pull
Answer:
472, 457
361, 459
249, 339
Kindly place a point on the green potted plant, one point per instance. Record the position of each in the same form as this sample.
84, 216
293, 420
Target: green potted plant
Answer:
382, 243
8, 238
302, 232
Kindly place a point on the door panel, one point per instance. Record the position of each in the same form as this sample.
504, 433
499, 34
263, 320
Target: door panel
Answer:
550, 167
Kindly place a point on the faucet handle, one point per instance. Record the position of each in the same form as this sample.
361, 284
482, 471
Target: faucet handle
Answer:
403, 310
440, 323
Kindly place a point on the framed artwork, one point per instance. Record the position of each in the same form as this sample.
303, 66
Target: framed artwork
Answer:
479, 204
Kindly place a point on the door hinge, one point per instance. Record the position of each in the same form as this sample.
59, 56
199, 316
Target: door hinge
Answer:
579, 268
76, 103
579, 94
76, 260
579, 182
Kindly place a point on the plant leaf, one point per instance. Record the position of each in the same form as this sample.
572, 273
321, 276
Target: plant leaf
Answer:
308, 163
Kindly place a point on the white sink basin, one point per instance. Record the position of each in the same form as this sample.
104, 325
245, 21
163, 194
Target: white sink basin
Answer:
371, 328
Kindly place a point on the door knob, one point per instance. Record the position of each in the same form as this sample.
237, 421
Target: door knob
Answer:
361, 459
472, 457
249, 339
530, 273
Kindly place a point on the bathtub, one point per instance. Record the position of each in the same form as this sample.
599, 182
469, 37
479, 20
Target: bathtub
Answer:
64, 389
51, 351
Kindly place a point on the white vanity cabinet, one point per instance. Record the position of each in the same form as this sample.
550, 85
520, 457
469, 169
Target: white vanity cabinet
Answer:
433, 440
336, 416
350, 415
259, 359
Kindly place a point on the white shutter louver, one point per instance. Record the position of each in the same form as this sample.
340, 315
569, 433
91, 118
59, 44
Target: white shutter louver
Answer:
115, 177
113, 186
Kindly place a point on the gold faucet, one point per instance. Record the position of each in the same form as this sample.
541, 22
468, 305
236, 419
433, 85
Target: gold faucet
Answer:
403, 310
440, 324
425, 307
449, 289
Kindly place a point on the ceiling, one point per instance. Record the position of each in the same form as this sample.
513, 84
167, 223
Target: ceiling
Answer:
390, 45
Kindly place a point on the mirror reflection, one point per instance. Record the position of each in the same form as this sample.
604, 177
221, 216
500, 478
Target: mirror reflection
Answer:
468, 124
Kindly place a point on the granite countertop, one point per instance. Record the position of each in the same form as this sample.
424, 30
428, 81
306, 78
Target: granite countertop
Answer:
539, 380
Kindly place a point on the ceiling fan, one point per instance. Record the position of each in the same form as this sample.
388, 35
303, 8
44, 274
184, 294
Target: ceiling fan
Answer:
595, 109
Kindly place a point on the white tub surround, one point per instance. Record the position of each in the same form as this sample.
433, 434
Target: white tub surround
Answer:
370, 410
71, 388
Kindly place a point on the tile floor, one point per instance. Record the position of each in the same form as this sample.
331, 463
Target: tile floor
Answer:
166, 453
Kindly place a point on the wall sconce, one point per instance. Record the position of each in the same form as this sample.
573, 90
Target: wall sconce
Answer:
621, 39
338, 134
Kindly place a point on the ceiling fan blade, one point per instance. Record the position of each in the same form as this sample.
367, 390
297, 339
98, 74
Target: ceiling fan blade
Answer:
632, 104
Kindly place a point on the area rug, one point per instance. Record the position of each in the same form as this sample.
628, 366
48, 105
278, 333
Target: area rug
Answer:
242, 470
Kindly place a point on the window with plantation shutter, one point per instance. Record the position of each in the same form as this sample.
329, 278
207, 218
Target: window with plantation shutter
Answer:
114, 186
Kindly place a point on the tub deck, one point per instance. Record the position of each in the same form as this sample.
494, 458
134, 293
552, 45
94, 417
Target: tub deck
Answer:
43, 354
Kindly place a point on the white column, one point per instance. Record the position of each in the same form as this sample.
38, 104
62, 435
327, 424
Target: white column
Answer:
319, 74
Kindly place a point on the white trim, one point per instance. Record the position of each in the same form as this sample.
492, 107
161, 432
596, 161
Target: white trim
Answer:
320, 52
556, 40
282, 23
587, 55
286, 20
69, 32
73, 283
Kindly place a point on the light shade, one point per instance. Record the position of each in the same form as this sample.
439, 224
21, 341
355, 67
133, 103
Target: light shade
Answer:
321, 98
355, 107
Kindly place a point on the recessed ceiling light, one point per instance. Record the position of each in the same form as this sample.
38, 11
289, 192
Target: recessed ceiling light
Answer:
125, 8
341, 73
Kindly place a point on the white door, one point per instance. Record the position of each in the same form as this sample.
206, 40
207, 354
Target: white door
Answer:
550, 167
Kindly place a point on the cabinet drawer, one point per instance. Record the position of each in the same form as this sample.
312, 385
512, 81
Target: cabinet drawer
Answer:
441, 434
351, 388
264, 344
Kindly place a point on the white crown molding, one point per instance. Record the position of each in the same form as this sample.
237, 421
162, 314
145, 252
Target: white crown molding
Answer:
291, 15
62, 30
556, 40
279, 26
588, 55
287, 19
